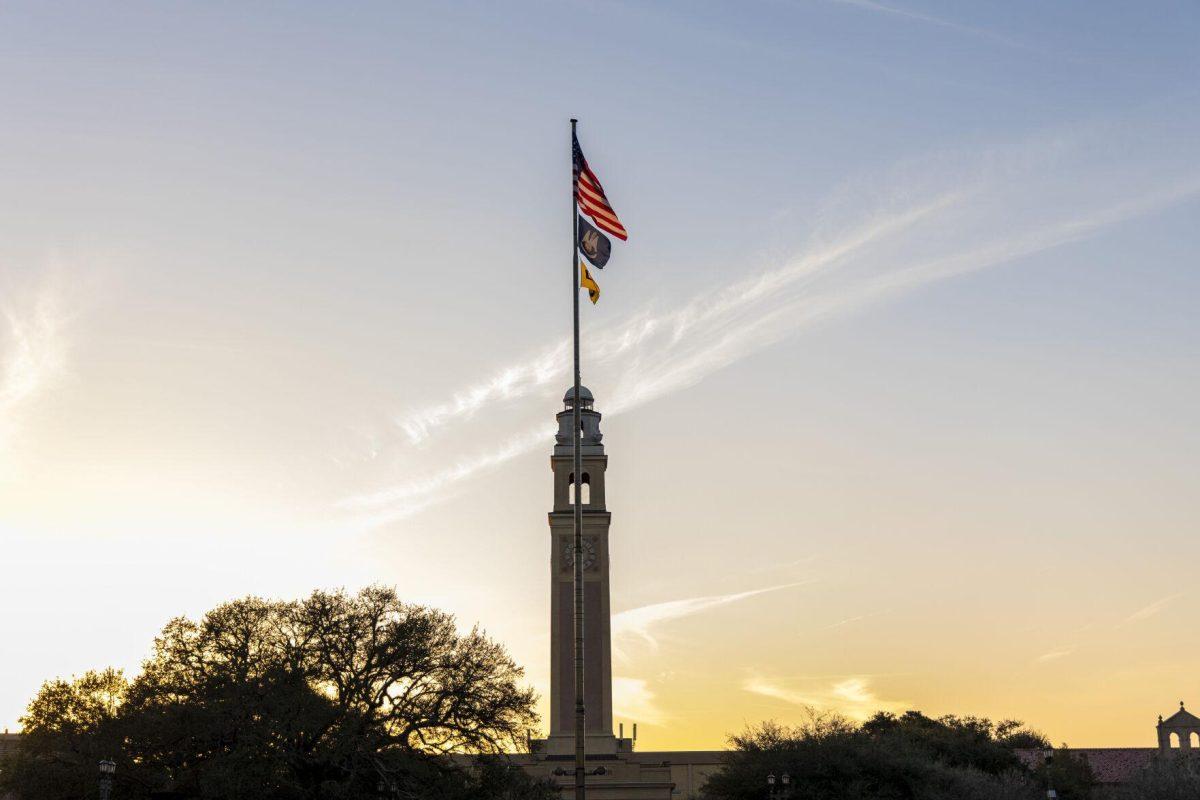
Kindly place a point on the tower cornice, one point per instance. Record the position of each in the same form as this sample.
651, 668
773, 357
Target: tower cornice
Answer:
569, 516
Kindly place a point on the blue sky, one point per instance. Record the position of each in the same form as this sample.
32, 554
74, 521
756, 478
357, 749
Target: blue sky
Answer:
905, 326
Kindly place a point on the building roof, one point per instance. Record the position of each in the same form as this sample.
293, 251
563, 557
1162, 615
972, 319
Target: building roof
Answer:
1181, 719
1110, 765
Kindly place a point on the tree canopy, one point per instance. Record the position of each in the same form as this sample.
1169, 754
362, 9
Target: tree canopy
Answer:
1175, 776
888, 757
333, 696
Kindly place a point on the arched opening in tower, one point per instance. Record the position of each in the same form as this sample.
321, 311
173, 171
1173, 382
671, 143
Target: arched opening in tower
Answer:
585, 489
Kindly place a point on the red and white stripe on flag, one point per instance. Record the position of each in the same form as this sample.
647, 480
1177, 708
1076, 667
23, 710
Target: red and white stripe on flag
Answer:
592, 202
590, 195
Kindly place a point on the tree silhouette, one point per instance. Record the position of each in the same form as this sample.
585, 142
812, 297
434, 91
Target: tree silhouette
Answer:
889, 757
333, 696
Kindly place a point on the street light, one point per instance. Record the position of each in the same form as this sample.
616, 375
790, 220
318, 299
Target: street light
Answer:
1049, 756
387, 785
785, 788
107, 770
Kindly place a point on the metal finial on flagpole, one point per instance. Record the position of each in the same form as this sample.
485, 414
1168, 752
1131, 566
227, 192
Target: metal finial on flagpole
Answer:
577, 561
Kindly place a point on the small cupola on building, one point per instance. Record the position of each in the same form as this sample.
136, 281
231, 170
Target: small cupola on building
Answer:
1180, 731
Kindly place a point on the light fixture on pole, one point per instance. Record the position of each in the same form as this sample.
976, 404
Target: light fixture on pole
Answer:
1049, 761
108, 768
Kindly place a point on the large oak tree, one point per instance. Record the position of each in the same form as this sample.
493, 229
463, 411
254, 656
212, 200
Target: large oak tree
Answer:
333, 696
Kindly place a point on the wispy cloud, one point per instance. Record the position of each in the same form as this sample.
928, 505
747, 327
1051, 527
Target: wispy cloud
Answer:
1151, 610
896, 11
640, 622
851, 620
851, 695
510, 383
32, 354
404, 500
880, 237
634, 701
649, 331
662, 352
1054, 655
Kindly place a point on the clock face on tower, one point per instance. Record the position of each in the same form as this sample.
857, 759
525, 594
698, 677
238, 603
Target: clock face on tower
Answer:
589, 553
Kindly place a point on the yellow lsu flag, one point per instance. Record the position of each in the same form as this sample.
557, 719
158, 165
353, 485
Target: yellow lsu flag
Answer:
586, 281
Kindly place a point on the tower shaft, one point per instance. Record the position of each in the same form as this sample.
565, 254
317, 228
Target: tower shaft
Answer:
595, 520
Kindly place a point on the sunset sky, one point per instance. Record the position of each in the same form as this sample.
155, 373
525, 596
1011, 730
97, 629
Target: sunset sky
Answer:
900, 366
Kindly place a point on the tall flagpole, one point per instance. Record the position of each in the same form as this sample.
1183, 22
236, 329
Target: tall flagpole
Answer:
580, 711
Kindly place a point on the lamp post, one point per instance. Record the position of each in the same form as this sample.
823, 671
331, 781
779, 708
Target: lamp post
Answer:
1049, 756
108, 768
781, 792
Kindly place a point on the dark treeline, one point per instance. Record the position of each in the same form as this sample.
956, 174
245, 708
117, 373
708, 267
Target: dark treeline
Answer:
334, 696
343, 696
889, 758
915, 757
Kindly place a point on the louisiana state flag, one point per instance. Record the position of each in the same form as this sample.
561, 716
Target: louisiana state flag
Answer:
594, 245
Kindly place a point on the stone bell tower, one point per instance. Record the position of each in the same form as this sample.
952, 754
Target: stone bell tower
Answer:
614, 771
597, 646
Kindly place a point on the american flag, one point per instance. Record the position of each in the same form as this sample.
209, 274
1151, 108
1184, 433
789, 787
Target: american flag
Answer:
590, 195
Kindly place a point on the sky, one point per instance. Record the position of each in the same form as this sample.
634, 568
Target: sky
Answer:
899, 368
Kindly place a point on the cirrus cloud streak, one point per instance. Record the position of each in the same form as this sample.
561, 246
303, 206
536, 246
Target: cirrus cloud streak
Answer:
32, 355
877, 239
